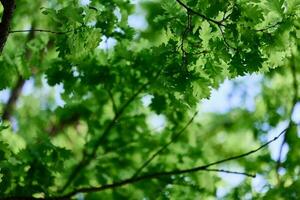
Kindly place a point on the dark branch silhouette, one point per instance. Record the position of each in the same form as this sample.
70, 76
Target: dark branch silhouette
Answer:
191, 11
231, 172
164, 147
156, 175
55, 128
225, 40
46, 31
40, 30
9, 7
269, 27
115, 108
219, 24
122, 183
16, 91
14, 95
87, 158
294, 102
25, 198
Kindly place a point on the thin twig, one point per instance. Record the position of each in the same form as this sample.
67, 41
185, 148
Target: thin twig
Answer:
231, 172
25, 198
125, 182
225, 40
218, 23
183, 37
157, 175
294, 102
17, 89
146, 177
93, 8
225, 17
269, 27
46, 31
14, 95
87, 158
164, 147
40, 30
190, 10
115, 108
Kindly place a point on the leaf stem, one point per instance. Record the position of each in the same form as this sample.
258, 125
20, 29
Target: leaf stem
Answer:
164, 147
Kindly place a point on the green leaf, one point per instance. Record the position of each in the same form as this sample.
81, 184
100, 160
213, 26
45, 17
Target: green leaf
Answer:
158, 103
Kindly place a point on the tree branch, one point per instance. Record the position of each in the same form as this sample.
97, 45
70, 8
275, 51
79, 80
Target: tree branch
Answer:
54, 129
269, 27
8, 6
45, 30
14, 95
190, 10
115, 108
183, 37
157, 175
16, 91
40, 30
225, 40
294, 102
231, 172
87, 158
122, 183
25, 198
161, 149
218, 23
146, 177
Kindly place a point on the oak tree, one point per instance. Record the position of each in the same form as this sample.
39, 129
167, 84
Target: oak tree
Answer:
86, 81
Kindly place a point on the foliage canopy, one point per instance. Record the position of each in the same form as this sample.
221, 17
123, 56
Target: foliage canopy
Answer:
116, 78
